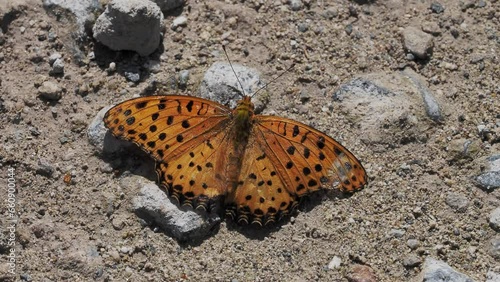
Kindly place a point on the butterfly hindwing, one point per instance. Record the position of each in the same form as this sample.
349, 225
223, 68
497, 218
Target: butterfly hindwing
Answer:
307, 158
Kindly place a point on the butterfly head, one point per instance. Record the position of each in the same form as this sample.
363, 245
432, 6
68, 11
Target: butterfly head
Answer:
245, 108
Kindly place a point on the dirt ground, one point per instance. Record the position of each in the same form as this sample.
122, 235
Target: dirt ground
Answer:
74, 217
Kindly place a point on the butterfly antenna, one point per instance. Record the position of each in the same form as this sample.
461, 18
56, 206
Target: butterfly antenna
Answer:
239, 82
274, 79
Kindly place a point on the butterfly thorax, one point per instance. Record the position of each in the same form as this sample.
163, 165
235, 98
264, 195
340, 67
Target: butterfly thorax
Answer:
242, 117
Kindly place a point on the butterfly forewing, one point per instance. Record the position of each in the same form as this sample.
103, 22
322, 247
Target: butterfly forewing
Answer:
164, 125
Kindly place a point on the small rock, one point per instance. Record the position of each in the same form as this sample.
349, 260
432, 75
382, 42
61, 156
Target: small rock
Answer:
432, 28
495, 219
413, 244
448, 66
489, 179
183, 78
494, 247
334, 263
361, 273
50, 91
463, 149
418, 42
396, 233
296, 5
132, 76
411, 260
437, 271
437, 8
57, 67
179, 21
457, 202
54, 57
303, 27
114, 255
45, 168
432, 107
169, 5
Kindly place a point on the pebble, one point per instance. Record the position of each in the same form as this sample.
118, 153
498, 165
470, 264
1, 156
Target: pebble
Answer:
179, 21
448, 66
431, 28
457, 202
334, 263
45, 168
296, 5
361, 273
413, 244
132, 76
303, 27
412, 260
494, 247
54, 57
57, 67
396, 233
489, 179
183, 78
50, 91
418, 42
495, 219
437, 8
114, 255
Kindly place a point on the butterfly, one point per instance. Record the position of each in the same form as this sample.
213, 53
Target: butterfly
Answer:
256, 166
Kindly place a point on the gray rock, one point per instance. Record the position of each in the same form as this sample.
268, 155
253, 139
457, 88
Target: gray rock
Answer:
183, 78
457, 202
387, 106
437, 8
489, 179
413, 244
152, 204
54, 57
50, 91
431, 28
494, 247
221, 84
412, 260
101, 139
296, 5
438, 271
57, 67
492, 276
130, 25
432, 107
418, 42
168, 5
495, 219
45, 168
334, 263
79, 12
396, 233
179, 21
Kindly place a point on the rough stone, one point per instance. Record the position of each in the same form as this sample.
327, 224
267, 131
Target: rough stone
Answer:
438, 271
489, 179
130, 25
495, 219
50, 91
418, 42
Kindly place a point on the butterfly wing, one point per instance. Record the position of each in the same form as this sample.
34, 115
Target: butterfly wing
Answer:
185, 135
261, 196
283, 161
307, 159
166, 126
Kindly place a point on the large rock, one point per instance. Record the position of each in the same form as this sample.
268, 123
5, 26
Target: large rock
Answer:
221, 83
438, 271
153, 204
130, 25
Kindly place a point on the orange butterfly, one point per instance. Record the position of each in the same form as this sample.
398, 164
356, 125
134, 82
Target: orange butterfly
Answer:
258, 165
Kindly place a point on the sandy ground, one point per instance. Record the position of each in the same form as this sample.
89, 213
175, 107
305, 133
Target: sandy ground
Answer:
74, 217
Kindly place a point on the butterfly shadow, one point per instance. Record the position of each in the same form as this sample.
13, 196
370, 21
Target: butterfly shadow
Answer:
127, 158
